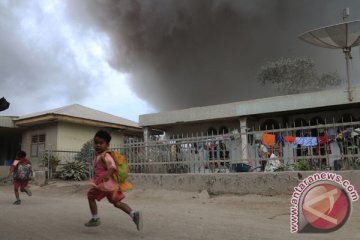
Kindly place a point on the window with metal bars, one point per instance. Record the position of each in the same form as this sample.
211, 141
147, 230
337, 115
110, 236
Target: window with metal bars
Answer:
37, 144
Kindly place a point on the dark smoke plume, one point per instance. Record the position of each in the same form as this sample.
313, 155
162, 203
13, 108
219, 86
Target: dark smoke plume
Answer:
184, 53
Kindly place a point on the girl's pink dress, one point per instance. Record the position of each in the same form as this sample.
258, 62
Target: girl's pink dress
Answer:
100, 171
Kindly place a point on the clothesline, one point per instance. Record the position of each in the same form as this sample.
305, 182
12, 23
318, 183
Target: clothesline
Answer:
272, 139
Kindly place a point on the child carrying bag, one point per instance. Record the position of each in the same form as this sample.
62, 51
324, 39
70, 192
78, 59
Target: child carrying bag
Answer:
122, 170
23, 171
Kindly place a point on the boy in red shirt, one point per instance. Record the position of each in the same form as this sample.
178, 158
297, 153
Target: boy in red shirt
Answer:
20, 181
104, 185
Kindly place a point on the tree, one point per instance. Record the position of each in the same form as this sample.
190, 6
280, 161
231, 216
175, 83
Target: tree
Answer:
86, 152
295, 75
329, 79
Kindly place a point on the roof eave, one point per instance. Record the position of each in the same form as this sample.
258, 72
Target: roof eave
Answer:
51, 117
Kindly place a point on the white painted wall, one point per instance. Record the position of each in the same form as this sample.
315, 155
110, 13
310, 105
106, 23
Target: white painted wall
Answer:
73, 136
189, 129
328, 116
50, 130
326, 98
64, 136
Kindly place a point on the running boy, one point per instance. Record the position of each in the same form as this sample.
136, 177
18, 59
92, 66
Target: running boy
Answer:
104, 184
22, 173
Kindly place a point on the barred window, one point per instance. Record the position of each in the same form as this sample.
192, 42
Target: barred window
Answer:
37, 144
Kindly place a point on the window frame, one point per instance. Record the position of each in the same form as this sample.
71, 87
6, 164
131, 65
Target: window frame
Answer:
37, 143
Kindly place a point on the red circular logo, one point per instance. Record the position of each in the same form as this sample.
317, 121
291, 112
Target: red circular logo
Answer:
326, 207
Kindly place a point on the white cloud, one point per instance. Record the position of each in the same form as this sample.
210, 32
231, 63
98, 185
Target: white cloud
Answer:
51, 62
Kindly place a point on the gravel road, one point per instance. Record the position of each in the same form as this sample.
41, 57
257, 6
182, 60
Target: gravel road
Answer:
58, 212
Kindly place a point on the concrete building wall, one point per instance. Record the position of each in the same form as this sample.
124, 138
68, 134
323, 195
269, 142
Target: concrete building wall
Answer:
255, 123
301, 102
74, 136
327, 116
117, 138
50, 131
4, 170
202, 128
7, 122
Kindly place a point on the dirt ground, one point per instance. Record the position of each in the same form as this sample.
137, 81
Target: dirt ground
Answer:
59, 211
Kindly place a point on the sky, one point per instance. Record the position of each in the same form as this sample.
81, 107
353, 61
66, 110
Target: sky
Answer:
48, 62
132, 57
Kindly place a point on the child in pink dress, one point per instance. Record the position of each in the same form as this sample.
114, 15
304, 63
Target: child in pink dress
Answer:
103, 185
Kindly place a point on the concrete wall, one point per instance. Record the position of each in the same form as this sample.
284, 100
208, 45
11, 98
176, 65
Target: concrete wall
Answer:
327, 116
65, 136
7, 122
198, 128
326, 98
189, 129
73, 136
4, 170
50, 131
242, 183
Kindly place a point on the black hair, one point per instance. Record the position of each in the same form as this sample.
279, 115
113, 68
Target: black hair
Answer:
103, 135
21, 154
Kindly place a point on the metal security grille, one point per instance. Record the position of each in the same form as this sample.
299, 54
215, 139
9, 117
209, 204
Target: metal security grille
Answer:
336, 148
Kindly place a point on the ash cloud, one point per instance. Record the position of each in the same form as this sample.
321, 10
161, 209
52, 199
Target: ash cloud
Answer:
184, 53
33, 74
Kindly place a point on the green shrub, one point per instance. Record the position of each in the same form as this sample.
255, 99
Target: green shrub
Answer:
86, 152
76, 170
302, 165
50, 159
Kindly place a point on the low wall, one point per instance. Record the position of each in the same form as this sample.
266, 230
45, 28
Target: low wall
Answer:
236, 183
39, 177
4, 170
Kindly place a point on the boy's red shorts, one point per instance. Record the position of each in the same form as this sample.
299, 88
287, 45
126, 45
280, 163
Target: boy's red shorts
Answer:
22, 184
98, 195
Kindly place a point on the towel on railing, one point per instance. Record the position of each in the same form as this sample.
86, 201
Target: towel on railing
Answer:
289, 139
268, 139
306, 141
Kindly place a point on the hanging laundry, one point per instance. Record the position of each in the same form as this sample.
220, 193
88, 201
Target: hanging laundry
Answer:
268, 139
331, 132
355, 132
306, 141
257, 136
347, 133
323, 139
279, 139
289, 139
340, 137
